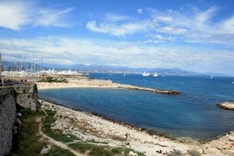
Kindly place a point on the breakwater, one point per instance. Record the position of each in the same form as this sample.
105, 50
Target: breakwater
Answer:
159, 91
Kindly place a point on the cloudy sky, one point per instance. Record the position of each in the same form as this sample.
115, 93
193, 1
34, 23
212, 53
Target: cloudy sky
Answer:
196, 35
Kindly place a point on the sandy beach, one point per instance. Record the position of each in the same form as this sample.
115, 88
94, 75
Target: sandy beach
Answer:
88, 126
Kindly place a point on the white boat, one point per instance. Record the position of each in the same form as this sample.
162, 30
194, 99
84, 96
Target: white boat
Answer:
233, 82
146, 74
155, 75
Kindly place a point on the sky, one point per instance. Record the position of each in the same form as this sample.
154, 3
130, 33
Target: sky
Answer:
195, 35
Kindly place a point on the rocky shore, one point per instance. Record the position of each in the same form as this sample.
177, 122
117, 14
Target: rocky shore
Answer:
90, 126
226, 105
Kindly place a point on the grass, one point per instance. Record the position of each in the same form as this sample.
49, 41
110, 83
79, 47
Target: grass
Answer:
56, 134
96, 142
30, 143
56, 151
28, 138
97, 150
82, 146
193, 153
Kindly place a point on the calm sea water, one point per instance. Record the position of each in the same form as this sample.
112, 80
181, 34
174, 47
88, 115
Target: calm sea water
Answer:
192, 114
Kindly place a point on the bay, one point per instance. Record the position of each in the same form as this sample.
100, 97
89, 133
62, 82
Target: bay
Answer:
192, 114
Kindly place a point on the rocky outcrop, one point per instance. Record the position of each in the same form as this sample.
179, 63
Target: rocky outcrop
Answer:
226, 105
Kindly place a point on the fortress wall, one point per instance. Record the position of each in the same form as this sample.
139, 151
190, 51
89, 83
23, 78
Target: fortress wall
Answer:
7, 119
24, 95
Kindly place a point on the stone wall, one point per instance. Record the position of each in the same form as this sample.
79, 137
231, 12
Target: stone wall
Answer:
23, 95
26, 96
7, 119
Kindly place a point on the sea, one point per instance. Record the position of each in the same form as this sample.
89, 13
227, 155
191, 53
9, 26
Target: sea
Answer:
192, 114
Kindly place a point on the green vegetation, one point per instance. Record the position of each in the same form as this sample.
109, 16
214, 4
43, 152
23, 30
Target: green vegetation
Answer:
56, 151
95, 150
176, 153
88, 146
52, 79
96, 142
55, 134
29, 142
193, 153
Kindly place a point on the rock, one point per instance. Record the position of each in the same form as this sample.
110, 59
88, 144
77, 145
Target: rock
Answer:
15, 130
213, 150
18, 114
18, 121
45, 150
38, 119
131, 153
226, 105
231, 138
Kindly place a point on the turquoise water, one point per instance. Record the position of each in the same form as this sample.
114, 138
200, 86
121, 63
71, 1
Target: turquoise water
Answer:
192, 114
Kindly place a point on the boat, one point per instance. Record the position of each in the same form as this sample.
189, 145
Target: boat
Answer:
155, 75
146, 74
233, 82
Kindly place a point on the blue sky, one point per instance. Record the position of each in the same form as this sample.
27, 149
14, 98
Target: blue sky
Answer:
196, 35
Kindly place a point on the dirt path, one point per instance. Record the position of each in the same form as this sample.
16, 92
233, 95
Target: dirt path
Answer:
57, 143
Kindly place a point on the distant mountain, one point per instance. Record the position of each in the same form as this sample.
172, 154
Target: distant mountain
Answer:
215, 74
7, 65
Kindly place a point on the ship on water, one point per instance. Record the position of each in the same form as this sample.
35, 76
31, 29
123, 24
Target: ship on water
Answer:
155, 74
146, 74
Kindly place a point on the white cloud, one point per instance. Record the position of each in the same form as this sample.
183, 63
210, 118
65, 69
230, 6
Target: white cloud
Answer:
165, 18
130, 54
139, 11
49, 17
116, 18
227, 26
17, 14
14, 14
118, 29
171, 30
159, 37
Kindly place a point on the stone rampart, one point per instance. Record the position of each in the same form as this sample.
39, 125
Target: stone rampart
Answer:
23, 95
7, 119
26, 95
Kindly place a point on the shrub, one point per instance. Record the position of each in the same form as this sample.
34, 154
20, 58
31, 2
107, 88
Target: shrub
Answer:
176, 153
193, 153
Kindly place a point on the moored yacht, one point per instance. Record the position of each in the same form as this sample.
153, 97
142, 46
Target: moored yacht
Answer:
146, 74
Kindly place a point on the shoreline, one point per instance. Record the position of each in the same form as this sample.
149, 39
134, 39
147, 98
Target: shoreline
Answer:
152, 140
144, 130
114, 132
95, 83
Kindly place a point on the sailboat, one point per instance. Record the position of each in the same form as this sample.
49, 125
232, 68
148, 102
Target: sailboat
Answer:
155, 74
146, 74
